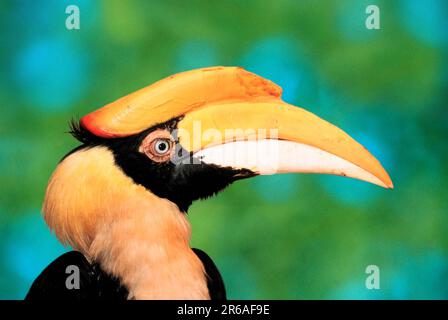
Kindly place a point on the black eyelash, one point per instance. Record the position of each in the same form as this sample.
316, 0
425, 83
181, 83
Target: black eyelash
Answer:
81, 134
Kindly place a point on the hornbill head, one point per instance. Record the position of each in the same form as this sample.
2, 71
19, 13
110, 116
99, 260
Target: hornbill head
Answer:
184, 138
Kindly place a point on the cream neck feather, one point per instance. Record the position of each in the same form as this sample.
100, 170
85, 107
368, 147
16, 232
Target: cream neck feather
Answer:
143, 240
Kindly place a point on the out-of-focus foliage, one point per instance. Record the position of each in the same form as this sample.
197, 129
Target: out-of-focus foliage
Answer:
286, 236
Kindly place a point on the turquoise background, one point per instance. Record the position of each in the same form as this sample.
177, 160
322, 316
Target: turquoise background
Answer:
279, 237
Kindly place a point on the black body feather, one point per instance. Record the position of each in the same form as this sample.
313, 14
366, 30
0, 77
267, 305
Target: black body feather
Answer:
96, 284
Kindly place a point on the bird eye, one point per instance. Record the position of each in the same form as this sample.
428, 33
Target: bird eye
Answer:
162, 146
158, 145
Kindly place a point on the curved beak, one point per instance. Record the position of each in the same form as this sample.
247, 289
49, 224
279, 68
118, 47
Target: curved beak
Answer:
270, 136
232, 117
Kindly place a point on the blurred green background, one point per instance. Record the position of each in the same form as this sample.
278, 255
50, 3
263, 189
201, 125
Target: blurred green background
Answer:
279, 237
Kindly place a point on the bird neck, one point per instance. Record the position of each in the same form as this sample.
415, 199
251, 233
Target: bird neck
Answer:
141, 239
149, 252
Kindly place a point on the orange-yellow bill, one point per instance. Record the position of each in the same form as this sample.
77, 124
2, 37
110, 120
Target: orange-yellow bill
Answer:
175, 96
231, 117
275, 137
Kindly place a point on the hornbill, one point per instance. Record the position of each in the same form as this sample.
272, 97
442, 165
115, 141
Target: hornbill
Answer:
120, 199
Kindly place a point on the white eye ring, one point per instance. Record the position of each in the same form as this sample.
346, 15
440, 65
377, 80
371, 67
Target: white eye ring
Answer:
162, 146
158, 145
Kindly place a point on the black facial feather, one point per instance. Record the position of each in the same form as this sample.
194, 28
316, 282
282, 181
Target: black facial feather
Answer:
180, 182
